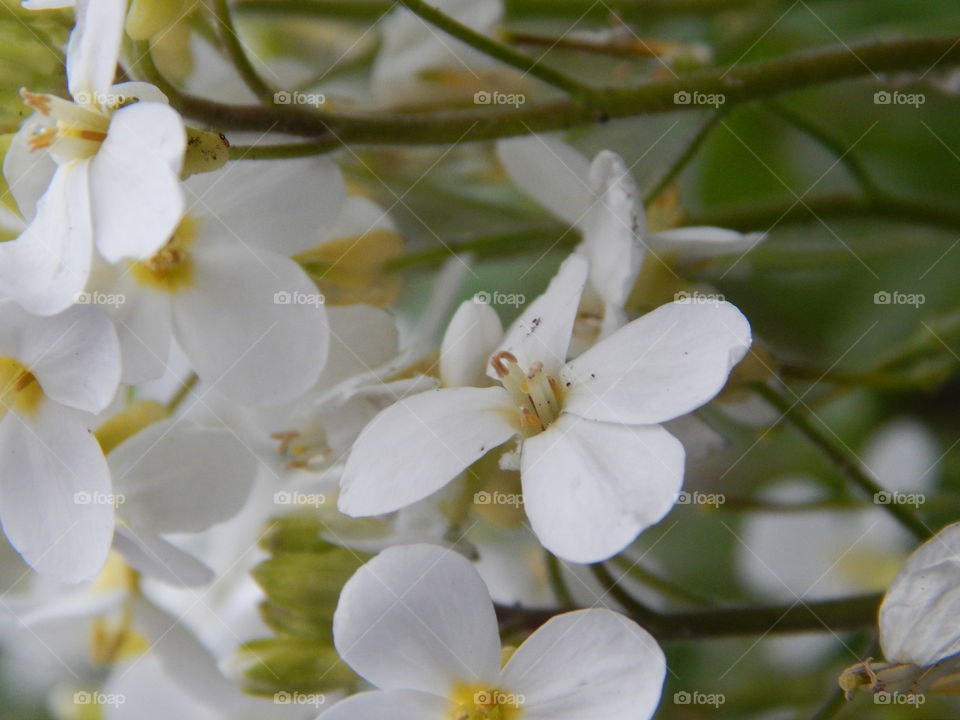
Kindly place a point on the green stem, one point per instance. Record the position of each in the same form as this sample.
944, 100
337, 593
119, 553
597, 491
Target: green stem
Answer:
844, 461
694, 145
282, 150
738, 84
873, 379
181, 394
487, 45
662, 585
559, 585
231, 43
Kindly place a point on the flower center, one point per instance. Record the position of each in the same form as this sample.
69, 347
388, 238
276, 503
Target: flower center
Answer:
301, 451
170, 268
19, 389
472, 702
70, 130
538, 396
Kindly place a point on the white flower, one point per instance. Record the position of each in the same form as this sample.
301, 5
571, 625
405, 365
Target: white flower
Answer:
54, 481
224, 287
417, 623
600, 199
115, 177
596, 465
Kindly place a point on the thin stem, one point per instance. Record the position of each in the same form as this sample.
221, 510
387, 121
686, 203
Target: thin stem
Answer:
282, 150
559, 585
662, 585
844, 461
879, 380
231, 43
842, 153
487, 45
738, 84
689, 152
181, 394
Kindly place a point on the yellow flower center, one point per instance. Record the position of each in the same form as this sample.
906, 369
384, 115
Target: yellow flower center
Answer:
170, 268
538, 396
19, 389
475, 702
114, 638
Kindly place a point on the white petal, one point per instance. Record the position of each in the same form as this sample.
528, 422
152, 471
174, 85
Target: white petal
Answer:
694, 243
590, 488
54, 493
611, 234
175, 476
362, 338
75, 355
587, 665
542, 332
418, 617
151, 555
281, 205
135, 193
551, 172
418, 445
660, 366
393, 704
47, 4
244, 341
470, 339
920, 614
28, 173
94, 48
903, 456
48, 265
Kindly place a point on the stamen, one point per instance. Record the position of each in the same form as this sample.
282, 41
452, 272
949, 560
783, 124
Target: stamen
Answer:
42, 138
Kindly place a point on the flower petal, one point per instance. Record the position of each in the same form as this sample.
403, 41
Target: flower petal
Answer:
920, 614
587, 665
542, 332
135, 194
151, 555
589, 488
54, 493
94, 48
281, 205
660, 366
393, 704
418, 445
362, 337
47, 266
470, 339
695, 242
75, 355
243, 339
418, 617
176, 476
551, 172
28, 174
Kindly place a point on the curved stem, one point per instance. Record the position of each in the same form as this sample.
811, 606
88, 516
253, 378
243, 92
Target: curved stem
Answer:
524, 63
689, 152
841, 458
186, 387
738, 84
282, 150
559, 585
234, 47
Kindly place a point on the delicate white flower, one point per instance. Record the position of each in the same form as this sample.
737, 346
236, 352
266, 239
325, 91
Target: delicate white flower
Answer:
117, 154
417, 623
596, 465
223, 285
54, 481
600, 199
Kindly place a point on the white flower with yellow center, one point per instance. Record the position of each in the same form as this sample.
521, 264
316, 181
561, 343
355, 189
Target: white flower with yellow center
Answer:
417, 623
117, 152
55, 493
596, 465
225, 288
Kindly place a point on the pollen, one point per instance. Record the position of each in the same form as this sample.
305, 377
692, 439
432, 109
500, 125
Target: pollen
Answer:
19, 389
475, 702
538, 396
171, 267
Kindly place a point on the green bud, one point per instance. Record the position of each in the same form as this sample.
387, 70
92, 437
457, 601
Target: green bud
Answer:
306, 583
148, 17
310, 626
297, 532
286, 664
206, 151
